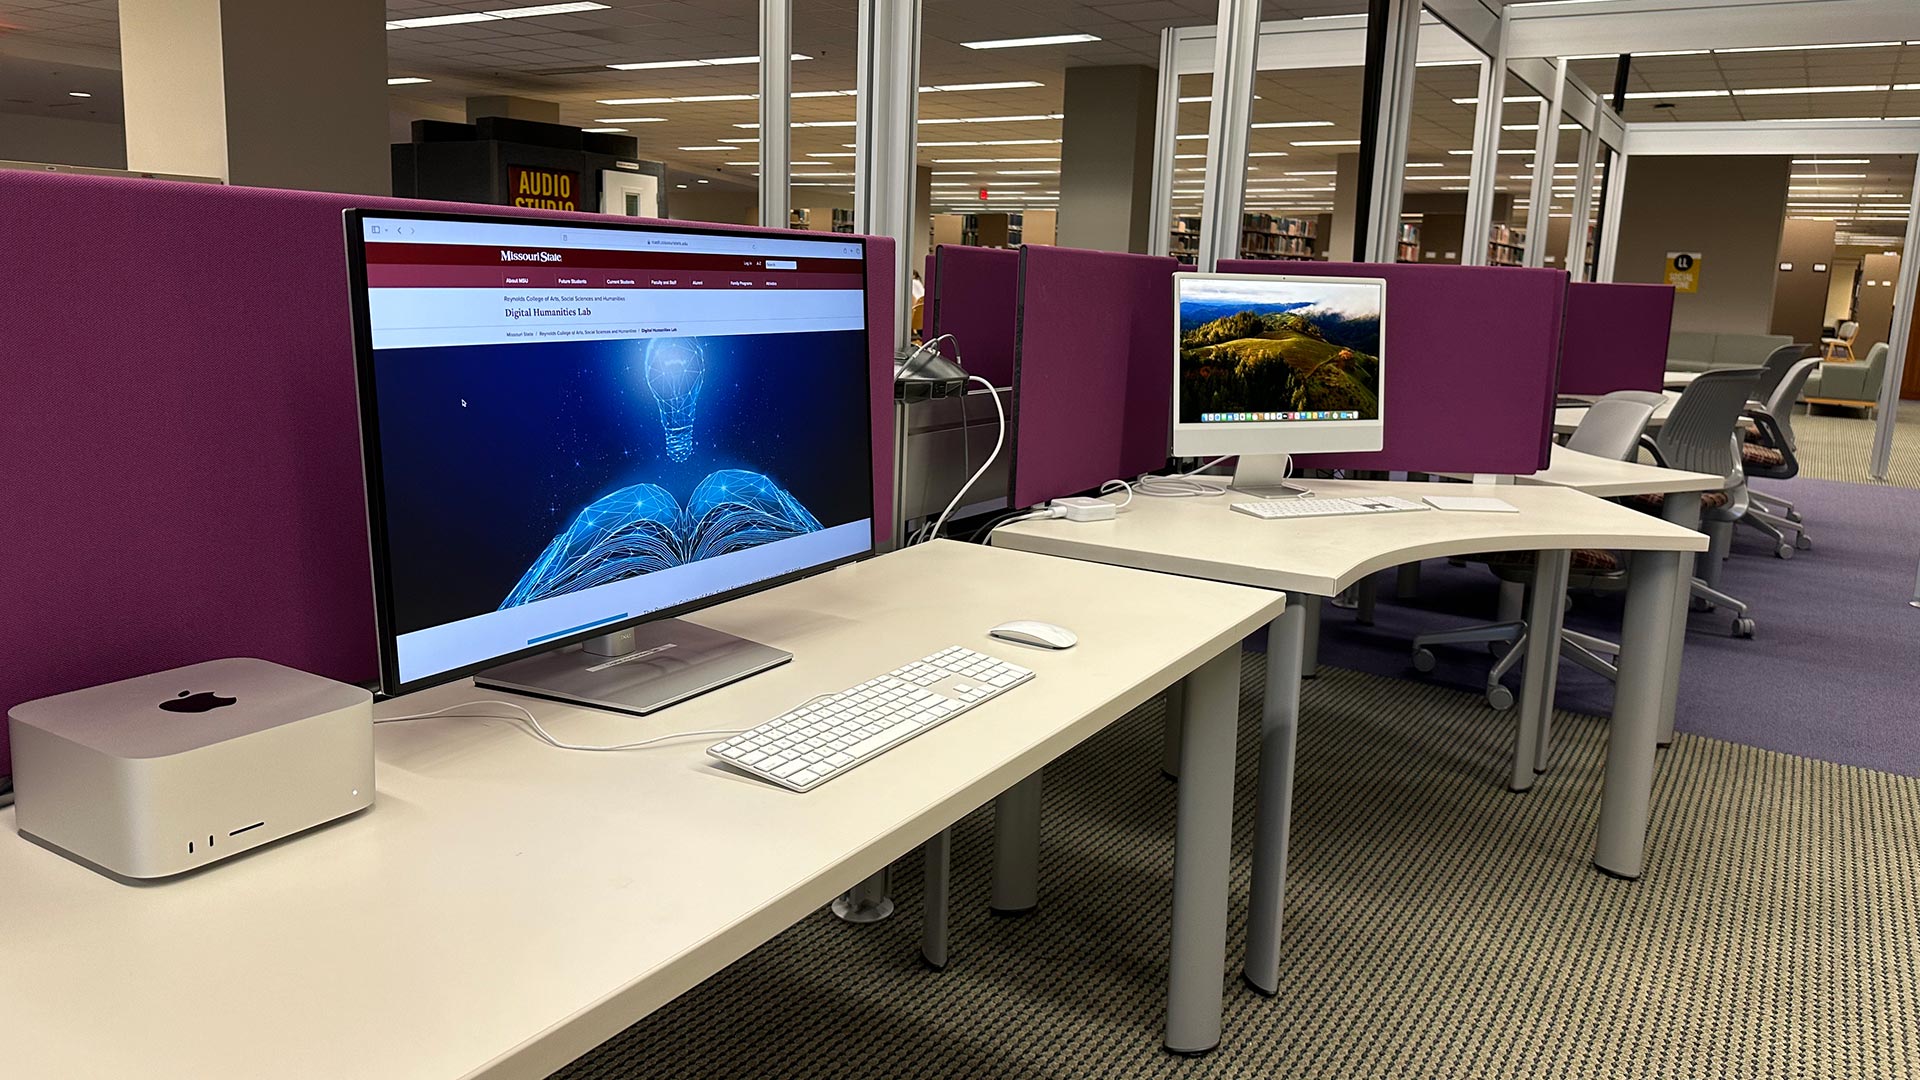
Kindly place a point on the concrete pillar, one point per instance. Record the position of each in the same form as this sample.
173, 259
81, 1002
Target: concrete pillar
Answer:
513, 108
1346, 203
258, 91
1106, 158
922, 220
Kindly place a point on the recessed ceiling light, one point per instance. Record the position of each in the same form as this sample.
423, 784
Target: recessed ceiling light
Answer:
1809, 48
390, 82
1774, 91
1021, 43
703, 181
488, 16
739, 163
631, 120
997, 142
834, 154
954, 88
404, 80
1268, 153
1026, 172
1296, 124
718, 61
1829, 176
1830, 161
720, 147
1327, 142
739, 139
1518, 99
807, 124
679, 185
954, 172
825, 93
603, 130
1428, 165
635, 101
991, 119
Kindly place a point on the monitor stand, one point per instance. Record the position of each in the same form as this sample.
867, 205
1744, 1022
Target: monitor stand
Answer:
638, 670
1265, 475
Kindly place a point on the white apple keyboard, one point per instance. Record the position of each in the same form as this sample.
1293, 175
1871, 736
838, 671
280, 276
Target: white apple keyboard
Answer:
1271, 509
805, 747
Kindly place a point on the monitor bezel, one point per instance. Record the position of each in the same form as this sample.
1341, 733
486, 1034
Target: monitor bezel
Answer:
1281, 436
373, 476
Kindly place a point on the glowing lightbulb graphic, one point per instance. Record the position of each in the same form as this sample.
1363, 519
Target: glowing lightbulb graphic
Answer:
674, 370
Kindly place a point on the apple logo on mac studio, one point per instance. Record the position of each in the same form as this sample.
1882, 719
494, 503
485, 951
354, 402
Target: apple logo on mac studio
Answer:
189, 702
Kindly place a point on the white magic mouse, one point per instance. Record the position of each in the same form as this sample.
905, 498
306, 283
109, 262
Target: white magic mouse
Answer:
1042, 635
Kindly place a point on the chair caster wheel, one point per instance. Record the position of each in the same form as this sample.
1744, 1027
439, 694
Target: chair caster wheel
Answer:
1743, 627
1423, 660
1803, 542
1794, 516
1784, 551
1500, 698
1698, 604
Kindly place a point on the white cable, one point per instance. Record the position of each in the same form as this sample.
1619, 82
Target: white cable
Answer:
1118, 485
1181, 485
999, 440
547, 737
1031, 515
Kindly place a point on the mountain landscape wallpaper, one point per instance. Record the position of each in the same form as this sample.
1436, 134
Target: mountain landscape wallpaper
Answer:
1293, 346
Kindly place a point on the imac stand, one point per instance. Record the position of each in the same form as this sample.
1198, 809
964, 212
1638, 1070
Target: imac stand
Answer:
1265, 475
638, 670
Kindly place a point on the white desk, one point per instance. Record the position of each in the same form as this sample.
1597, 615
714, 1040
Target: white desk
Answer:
1610, 479
504, 906
1568, 417
1204, 538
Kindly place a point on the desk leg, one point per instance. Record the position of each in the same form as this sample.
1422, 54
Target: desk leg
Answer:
1542, 658
938, 854
1646, 649
1310, 647
1016, 848
1556, 619
1203, 839
1369, 598
1279, 726
1684, 511
869, 901
1406, 581
1170, 736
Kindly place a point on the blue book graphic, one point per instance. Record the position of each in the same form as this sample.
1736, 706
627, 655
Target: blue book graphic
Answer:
640, 529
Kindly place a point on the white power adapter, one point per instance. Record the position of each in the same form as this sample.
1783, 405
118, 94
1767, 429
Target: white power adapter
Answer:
1081, 508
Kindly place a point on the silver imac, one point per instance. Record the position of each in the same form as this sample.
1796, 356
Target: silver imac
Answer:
1270, 365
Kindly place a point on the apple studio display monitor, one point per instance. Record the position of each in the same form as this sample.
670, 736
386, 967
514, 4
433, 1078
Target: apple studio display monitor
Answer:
1266, 366
573, 432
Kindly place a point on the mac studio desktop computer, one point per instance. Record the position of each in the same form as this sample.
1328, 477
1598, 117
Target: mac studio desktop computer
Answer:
573, 432
1266, 366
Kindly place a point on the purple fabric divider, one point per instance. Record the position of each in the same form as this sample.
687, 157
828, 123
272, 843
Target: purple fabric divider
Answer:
1617, 336
1471, 359
1093, 369
978, 287
181, 435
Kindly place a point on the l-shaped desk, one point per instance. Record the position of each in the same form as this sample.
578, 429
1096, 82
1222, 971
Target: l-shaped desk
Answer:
504, 907
1321, 557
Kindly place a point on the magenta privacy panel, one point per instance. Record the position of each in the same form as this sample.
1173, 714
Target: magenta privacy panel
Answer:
1616, 337
1471, 356
180, 434
978, 288
1093, 369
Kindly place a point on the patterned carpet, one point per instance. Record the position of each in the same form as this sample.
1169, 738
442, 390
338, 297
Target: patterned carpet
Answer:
1438, 926
1834, 444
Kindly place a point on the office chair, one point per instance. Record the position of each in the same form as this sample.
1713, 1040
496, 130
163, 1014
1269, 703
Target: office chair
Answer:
1774, 369
1610, 429
1769, 450
1840, 342
1703, 435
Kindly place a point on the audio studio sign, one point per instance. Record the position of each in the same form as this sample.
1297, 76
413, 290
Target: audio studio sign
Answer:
543, 189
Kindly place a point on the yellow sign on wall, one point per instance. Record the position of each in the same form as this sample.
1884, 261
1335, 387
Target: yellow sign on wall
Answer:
1683, 271
544, 189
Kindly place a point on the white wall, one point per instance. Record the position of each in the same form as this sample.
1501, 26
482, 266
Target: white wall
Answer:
62, 142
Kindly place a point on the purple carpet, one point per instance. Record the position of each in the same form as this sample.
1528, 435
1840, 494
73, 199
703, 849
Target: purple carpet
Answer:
1833, 671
